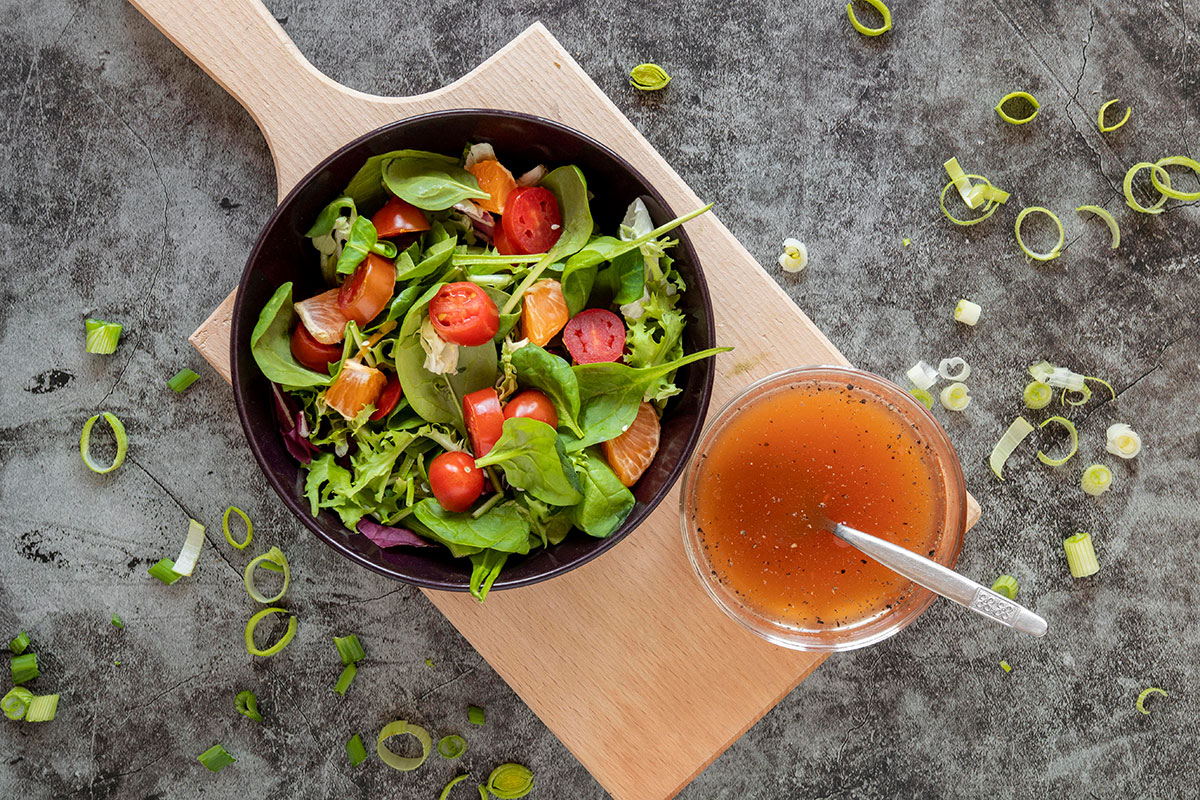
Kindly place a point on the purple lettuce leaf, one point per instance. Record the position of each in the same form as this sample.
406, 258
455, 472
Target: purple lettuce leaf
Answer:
384, 536
293, 426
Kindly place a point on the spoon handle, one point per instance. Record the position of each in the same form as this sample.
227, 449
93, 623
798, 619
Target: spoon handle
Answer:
946, 582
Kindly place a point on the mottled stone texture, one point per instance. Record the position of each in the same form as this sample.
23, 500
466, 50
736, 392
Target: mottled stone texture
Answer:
133, 188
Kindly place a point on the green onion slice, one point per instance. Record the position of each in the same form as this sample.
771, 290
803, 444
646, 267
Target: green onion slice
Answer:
1056, 251
182, 380
215, 758
229, 535
1081, 555
1122, 440
186, 563
863, 29
922, 375
16, 702
475, 715
1165, 186
1038, 395
452, 746
1141, 701
649, 77
967, 312
401, 728
988, 210
1016, 433
1070, 426
455, 782
1006, 585
961, 182
252, 649
355, 750
349, 648
1162, 187
1100, 116
164, 571
85, 442
989, 193
483, 792
1026, 96
23, 668
955, 397
1105, 384
278, 560
19, 643
947, 364
118, 622
101, 337
42, 708
1097, 479
924, 396
1075, 397
1042, 371
1109, 220
1004, 665
345, 679
246, 704
510, 781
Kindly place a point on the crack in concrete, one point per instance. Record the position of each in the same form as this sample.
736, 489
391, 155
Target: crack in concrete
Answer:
444, 684
1083, 66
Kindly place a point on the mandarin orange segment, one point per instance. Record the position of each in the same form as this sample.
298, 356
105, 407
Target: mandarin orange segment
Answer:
496, 180
354, 387
631, 453
321, 315
544, 311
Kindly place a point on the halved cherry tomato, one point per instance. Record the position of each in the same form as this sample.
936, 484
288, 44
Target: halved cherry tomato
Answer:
399, 216
368, 290
503, 245
532, 404
462, 313
531, 220
595, 335
388, 398
311, 353
631, 453
322, 317
354, 387
455, 480
495, 180
484, 420
543, 311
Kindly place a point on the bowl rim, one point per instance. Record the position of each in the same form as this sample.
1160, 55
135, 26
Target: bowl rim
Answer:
641, 510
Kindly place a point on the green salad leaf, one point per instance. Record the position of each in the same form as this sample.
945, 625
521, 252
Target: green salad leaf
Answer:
503, 528
435, 256
627, 277
606, 501
533, 459
536, 368
271, 344
363, 237
579, 273
342, 207
366, 187
431, 184
485, 568
550, 524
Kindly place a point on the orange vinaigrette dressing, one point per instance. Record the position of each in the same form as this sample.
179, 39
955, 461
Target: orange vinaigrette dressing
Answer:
786, 464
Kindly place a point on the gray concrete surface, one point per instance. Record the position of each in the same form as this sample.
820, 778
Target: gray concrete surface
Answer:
133, 187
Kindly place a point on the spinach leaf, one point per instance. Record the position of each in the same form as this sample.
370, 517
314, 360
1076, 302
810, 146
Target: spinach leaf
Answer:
549, 523
554, 376
404, 301
628, 277
324, 224
610, 393
428, 394
431, 184
271, 344
579, 273
437, 255
362, 238
485, 568
532, 457
507, 321
366, 187
503, 528
606, 501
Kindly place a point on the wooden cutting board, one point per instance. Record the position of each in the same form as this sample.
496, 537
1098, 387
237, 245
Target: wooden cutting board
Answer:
626, 659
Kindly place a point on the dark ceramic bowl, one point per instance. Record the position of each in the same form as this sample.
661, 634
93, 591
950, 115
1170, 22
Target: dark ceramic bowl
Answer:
283, 254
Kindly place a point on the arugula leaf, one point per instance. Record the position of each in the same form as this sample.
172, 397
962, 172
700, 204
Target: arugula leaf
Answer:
362, 238
606, 501
366, 187
485, 568
271, 344
324, 224
503, 528
554, 376
532, 457
610, 393
431, 184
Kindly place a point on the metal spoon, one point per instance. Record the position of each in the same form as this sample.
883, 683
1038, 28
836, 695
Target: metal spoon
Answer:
946, 582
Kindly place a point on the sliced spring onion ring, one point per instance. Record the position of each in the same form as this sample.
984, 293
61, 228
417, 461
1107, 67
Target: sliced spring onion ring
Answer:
961, 182
215, 758
475, 715
229, 534
1163, 187
510, 781
795, 255
16, 702
455, 782
955, 397
400, 728
1056, 251
947, 364
275, 557
349, 648
118, 622
648, 77
1097, 479
1038, 395
186, 563
355, 750
1141, 701
101, 337
1004, 665
1063, 378
85, 443
1081, 555
906, 241
1105, 384
452, 746
246, 704
967, 312
181, 380
1100, 116
1109, 220
42, 708
1084, 395
1041, 371
1122, 440
345, 679
1070, 426
989, 193
1175, 161
23, 668
1016, 433
19, 643
1006, 585
922, 375
164, 571
863, 29
924, 396
988, 210
253, 649
1004, 115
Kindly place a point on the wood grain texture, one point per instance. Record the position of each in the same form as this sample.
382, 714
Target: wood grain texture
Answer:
626, 659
